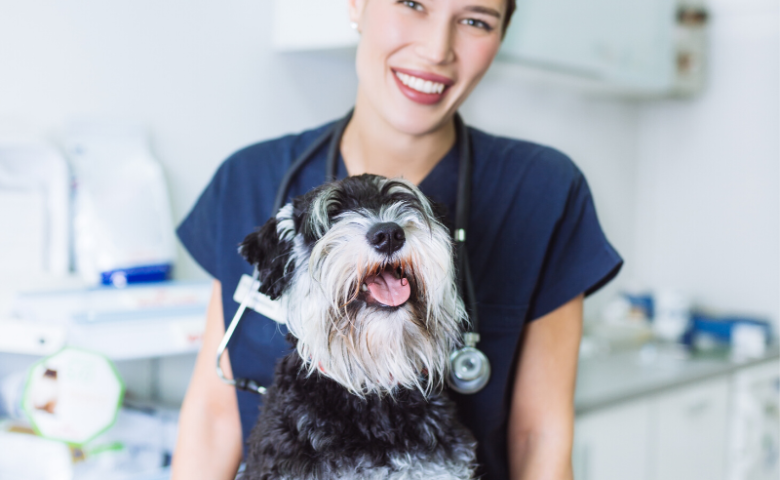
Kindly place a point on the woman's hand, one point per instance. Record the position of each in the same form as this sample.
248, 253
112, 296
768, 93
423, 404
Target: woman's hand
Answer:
209, 441
541, 420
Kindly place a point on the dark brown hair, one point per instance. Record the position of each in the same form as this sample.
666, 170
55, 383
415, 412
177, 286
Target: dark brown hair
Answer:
510, 9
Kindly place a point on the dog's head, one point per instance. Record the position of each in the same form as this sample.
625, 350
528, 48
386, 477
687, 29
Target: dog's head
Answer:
364, 269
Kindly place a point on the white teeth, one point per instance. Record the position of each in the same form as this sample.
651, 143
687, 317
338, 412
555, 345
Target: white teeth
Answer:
364, 287
424, 86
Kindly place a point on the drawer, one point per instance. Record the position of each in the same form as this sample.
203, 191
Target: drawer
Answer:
613, 444
690, 432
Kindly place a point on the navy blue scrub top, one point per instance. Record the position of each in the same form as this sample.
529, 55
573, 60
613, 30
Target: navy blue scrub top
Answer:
534, 242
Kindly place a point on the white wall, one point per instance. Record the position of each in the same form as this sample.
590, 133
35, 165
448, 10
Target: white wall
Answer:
200, 74
203, 77
708, 173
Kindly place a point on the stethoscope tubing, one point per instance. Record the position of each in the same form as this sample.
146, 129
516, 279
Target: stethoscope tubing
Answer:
334, 133
239, 383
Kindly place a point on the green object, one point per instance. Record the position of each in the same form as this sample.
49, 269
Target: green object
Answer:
72, 396
108, 447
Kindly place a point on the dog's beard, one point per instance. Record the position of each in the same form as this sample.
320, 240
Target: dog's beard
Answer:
370, 348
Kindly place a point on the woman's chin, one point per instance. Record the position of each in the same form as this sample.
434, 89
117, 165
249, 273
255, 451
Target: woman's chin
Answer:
417, 119
405, 114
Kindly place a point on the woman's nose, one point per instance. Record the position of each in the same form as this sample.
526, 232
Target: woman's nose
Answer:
435, 45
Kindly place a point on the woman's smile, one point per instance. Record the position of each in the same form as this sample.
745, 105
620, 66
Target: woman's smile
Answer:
421, 87
417, 61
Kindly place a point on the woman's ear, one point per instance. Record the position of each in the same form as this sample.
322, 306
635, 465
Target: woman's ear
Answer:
355, 8
270, 254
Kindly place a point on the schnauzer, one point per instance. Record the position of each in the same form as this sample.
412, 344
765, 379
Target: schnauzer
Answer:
363, 268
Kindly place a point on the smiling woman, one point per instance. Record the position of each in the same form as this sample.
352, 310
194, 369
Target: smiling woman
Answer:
535, 244
405, 48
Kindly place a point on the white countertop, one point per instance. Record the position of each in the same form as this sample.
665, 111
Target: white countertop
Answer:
604, 381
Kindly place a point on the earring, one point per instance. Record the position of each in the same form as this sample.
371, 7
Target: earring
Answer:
353, 25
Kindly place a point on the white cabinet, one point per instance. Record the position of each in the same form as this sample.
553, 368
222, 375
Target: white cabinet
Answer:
613, 444
634, 45
622, 46
689, 442
681, 434
616, 41
754, 434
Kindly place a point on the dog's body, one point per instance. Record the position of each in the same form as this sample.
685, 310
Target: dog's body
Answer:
313, 428
364, 271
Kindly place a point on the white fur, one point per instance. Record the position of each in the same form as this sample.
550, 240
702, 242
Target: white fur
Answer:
285, 226
404, 467
373, 350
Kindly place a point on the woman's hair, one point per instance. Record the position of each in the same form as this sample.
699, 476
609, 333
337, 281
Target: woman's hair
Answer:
510, 9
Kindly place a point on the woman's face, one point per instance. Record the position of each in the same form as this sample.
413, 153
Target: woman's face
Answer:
417, 61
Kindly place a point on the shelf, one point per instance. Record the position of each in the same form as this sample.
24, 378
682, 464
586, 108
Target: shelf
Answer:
141, 321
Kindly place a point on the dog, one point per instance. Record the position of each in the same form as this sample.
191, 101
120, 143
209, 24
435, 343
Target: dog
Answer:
363, 268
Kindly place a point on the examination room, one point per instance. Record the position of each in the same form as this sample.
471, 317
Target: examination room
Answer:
390, 239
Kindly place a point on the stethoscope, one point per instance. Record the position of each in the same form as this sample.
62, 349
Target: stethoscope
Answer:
469, 367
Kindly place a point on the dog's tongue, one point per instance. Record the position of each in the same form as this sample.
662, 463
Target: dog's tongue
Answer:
387, 289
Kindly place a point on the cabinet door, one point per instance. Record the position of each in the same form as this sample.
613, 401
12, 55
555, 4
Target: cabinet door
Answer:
613, 444
621, 42
754, 434
691, 426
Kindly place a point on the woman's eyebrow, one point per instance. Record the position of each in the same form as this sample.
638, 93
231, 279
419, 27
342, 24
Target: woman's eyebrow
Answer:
486, 10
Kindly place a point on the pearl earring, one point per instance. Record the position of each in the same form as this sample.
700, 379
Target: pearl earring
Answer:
353, 25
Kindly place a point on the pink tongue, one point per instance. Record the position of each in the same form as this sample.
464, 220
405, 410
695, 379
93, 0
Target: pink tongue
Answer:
387, 289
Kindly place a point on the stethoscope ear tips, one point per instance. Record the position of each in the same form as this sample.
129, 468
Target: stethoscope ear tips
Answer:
469, 370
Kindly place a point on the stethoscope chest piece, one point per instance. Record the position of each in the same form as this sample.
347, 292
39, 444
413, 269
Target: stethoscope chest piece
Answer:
469, 368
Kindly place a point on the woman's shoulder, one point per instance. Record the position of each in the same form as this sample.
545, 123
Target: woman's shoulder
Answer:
270, 158
511, 158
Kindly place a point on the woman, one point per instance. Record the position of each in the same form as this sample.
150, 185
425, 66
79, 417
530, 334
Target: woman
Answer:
535, 244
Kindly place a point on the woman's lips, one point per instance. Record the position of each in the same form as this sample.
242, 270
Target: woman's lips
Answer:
421, 87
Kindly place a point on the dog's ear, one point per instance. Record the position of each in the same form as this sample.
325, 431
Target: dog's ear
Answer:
271, 255
310, 222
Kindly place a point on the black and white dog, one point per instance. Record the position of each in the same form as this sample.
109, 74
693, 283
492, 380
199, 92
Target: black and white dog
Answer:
364, 270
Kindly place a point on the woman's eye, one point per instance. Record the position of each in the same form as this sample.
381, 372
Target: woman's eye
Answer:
412, 4
477, 23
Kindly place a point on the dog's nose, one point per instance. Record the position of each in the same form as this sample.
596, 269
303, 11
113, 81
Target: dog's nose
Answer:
386, 237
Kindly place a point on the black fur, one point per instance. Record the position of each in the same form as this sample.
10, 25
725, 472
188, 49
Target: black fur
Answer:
271, 256
353, 193
263, 249
311, 427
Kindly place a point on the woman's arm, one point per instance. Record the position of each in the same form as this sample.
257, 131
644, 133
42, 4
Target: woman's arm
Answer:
541, 420
209, 442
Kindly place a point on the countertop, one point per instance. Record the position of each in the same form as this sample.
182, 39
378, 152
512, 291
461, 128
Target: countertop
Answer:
604, 381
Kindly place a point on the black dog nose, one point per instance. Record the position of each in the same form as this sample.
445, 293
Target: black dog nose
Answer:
386, 237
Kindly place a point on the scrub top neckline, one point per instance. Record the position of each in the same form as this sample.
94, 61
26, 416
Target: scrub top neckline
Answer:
439, 184
534, 243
